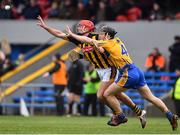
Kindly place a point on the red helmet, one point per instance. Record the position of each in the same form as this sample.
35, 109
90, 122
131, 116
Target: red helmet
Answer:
89, 25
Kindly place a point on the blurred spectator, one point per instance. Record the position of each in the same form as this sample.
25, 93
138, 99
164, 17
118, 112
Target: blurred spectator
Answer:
101, 13
146, 6
54, 10
104, 12
92, 7
92, 83
174, 6
91, 80
17, 8
8, 65
177, 16
32, 10
168, 17
2, 59
121, 18
119, 7
134, 14
87, 9
6, 48
44, 6
174, 60
5, 13
156, 13
155, 61
81, 12
59, 79
176, 92
75, 85
2, 55
66, 10
20, 60
128, 11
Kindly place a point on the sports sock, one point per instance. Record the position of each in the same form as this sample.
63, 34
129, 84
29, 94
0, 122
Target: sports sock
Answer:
137, 110
169, 115
79, 108
71, 107
121, 116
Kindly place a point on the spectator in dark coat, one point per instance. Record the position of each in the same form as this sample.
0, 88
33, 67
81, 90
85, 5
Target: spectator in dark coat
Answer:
67, 10
174, 60
32, 10
75, 85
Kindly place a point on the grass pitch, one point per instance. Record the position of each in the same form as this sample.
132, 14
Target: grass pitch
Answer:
80, 125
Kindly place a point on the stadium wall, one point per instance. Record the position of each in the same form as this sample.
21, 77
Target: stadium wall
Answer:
139, 37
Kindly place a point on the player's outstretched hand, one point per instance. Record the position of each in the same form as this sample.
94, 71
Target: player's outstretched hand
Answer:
68, 30
41, 23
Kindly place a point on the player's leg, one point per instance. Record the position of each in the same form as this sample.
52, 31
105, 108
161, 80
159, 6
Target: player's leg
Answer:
103, 86
120, 96
127, 101
109, 95
113, 102
126, 79
100, 93
77, 98
59, 99
70, 102
107, 78
147, 94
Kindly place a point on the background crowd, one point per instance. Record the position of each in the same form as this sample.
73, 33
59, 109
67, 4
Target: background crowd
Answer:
97, 10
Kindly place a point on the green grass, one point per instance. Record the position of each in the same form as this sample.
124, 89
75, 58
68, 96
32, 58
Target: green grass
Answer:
80, 125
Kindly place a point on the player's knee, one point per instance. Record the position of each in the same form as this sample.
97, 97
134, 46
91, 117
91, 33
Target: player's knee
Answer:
106, 95
100, 97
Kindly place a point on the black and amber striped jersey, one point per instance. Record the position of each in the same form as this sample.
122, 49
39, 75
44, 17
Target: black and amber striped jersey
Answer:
91, 53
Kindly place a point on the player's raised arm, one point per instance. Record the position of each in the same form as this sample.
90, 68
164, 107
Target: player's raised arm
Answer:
84, 39
52, 31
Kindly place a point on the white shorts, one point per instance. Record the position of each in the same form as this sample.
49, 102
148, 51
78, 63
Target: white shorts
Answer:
107, 74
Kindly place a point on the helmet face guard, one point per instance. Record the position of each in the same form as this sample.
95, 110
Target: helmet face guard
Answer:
84, 26
81, 30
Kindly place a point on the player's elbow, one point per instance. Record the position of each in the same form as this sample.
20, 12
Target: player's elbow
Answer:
105, 95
